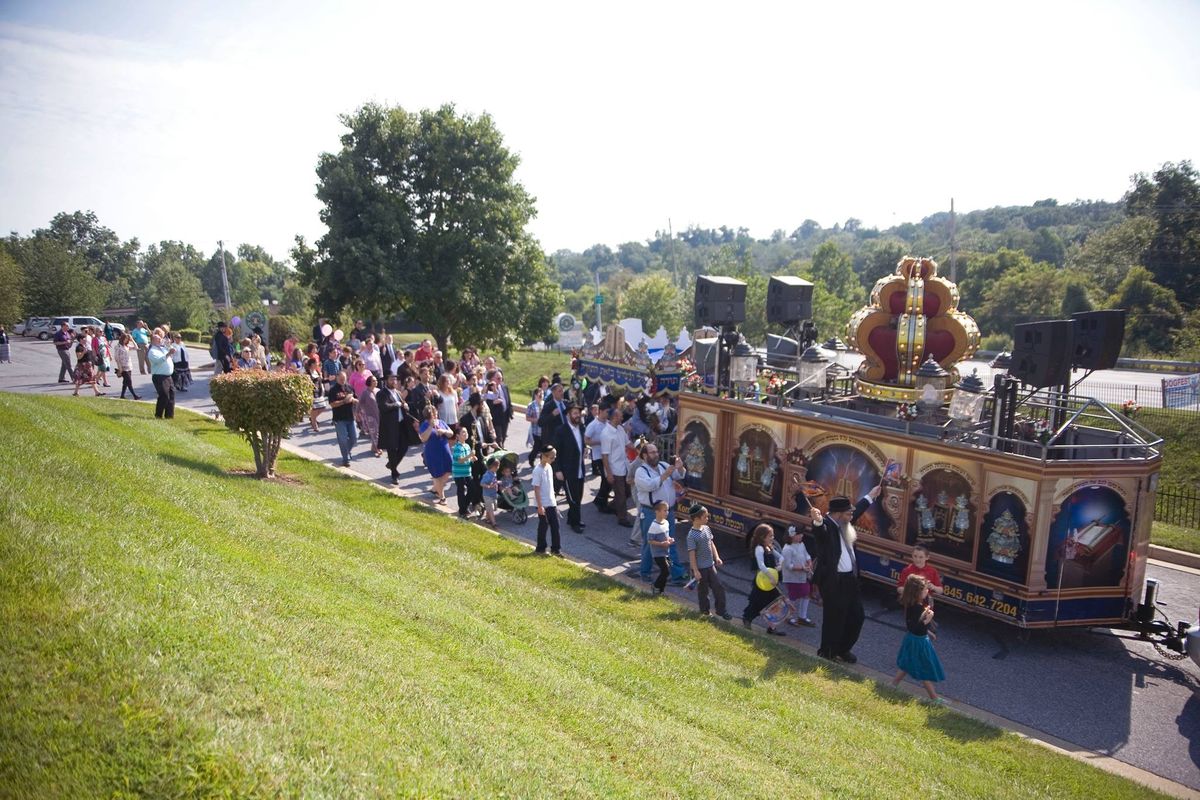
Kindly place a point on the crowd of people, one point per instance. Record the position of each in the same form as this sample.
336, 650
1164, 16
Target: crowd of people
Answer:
456, 414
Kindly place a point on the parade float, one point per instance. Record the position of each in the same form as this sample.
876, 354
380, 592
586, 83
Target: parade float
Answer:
1034, 503
622, 368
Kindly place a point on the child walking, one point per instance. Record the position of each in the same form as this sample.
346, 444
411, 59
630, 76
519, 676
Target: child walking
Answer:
917, 657
702, 552
796, 569
460, 468
489, 487
658, 535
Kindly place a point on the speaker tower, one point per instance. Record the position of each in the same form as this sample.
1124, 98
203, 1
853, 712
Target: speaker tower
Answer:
720, 301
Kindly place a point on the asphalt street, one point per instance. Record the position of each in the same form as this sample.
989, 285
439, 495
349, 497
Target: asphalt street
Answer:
1101, 690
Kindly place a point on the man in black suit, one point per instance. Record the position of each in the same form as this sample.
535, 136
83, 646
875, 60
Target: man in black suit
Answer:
392, 436
836, 573
570, 463
480, 439
500, 405
554, 411
387, 356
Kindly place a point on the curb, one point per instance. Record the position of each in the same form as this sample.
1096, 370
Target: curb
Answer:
1171, 556
1096, 759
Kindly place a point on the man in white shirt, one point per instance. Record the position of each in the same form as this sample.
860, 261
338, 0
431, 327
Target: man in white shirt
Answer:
593, 437
370, 356
547, 509
655, 482
616, 465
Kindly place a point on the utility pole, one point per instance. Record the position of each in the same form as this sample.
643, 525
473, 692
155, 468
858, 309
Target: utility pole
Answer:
224, 276
674, 266
953, 264
599, 304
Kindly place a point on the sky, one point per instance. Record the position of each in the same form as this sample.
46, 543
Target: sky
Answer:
203, 121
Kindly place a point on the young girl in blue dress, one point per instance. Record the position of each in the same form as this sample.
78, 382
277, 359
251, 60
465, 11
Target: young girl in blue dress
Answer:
917, 657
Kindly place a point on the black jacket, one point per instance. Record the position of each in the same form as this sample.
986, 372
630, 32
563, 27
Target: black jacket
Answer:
550, 422
569, 460
828, 538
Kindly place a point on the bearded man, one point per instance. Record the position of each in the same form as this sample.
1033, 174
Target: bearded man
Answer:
836, 574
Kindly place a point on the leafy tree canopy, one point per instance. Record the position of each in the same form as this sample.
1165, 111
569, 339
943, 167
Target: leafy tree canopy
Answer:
56, 279
1154, 317
424, 214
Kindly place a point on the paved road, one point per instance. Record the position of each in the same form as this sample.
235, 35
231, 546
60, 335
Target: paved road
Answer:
1098, 689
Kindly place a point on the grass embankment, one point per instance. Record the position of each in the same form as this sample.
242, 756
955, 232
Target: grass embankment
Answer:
1180, 431
167, 628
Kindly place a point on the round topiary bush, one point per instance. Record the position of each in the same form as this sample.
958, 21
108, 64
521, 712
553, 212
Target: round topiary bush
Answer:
262, 406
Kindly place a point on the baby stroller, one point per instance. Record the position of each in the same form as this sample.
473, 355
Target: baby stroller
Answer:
515, 499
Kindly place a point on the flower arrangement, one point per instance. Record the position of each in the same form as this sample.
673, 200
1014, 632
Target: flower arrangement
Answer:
1130, 409
907, 412
1042, 430
693, 381
774, 381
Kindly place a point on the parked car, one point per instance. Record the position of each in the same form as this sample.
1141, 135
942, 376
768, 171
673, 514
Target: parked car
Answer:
76, 323
28, 327
43, 330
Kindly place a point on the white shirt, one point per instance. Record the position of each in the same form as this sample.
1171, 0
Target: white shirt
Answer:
650, 487
845, 560
578, 433
613, 445
543, 487
595, 432
371, 359
448, 408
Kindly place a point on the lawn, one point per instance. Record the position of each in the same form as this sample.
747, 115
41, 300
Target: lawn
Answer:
168, 628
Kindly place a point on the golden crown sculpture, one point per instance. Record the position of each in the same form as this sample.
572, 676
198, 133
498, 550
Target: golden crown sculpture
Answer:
913, 315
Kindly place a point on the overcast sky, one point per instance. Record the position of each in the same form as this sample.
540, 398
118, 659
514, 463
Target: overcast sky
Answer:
203, 121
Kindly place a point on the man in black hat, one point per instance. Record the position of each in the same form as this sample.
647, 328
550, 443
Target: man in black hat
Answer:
569, 469
836, 574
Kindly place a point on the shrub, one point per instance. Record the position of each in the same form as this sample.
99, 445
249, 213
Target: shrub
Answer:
189, 334
261, 406
281, 326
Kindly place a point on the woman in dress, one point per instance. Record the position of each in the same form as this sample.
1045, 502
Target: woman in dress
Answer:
447, 399
436, 436
85, 371
320, 404
368, 414
765, 558
182, 373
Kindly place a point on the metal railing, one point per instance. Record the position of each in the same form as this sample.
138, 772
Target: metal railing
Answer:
1177, 506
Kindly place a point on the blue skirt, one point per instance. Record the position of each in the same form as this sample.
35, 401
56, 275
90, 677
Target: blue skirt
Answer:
919, 660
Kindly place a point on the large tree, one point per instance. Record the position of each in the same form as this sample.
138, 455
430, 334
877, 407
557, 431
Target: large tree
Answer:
174, 295
12, 299
1154, 318
424, 215
56, 279
655, 301
1172, 199
113, 262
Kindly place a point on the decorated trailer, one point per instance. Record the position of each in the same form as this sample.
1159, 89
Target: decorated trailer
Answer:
1035, 504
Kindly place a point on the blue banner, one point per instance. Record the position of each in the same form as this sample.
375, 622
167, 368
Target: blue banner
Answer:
613, 374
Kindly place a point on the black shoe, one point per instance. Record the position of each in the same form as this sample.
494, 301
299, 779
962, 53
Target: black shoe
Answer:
774, 632
135, 397
603, 509
583, 524
848, 657
625, 524
746, 624
345, 463
556, 553
539, 552
824, 654
395, 480
577, 528
727, 617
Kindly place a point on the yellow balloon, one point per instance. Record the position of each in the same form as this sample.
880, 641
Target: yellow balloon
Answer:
767, 580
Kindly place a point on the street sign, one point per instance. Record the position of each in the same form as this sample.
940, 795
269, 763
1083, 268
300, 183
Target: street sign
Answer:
599, 299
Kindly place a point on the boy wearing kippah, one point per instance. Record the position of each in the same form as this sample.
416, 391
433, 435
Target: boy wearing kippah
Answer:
704, 558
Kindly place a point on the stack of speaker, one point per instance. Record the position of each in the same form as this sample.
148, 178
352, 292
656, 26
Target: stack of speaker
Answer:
1045, 352
719, 301
789, 300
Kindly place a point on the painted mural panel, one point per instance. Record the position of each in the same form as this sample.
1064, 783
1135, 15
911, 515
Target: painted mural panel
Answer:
698, 449
1089, 534
823, 465
755, 460
943, 509
1004, 533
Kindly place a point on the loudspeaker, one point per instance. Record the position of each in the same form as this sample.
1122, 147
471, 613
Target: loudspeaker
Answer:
782, 351
789, 300
1098, 338
720, 301
1042, 352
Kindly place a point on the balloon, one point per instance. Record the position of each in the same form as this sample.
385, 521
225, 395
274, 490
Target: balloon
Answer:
235, 321
767, 579
337, 335
326, 329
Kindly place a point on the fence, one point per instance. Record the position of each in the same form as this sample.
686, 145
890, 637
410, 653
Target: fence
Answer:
1177, 506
